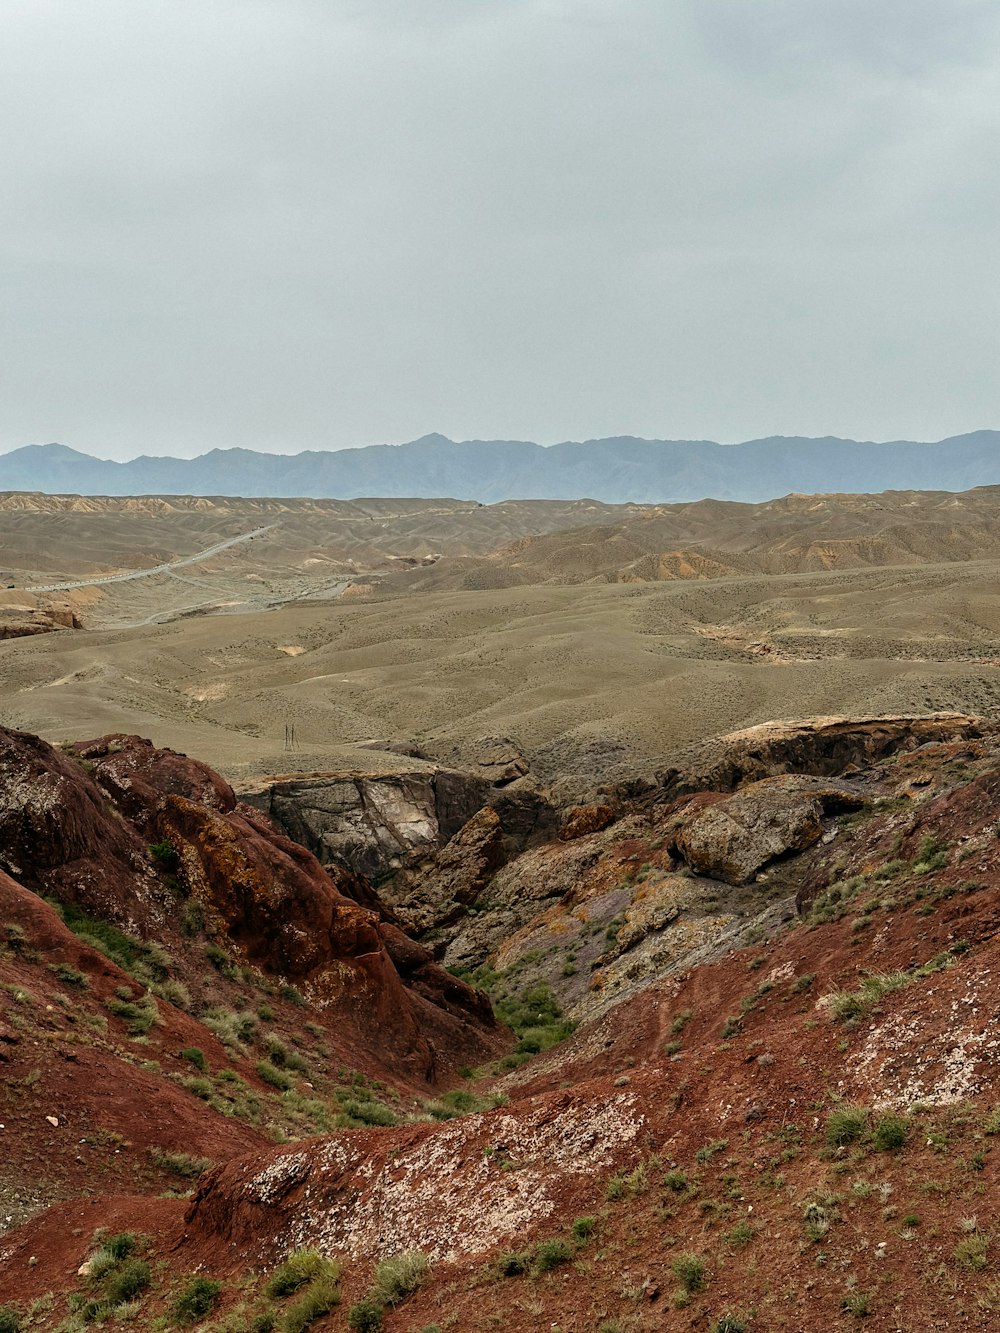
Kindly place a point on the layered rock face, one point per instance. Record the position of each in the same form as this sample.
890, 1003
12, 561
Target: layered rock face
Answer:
376, 823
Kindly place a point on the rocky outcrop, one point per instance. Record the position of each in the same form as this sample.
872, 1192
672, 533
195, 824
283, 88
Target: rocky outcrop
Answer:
137, 775
585, 819
734, 838
441, 889
498, 760
823, 747
88, 827
59, 836
371, 823
285, 913
377, 823
19, 622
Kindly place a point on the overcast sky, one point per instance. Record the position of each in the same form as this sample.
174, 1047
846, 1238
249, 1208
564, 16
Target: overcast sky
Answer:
291, 224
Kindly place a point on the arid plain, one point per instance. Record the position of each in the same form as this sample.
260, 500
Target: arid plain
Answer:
602, 638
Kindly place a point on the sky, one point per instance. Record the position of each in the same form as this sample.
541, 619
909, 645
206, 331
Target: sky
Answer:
309, 224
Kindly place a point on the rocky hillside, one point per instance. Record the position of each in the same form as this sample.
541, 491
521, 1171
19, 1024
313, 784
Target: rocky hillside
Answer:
717, 1051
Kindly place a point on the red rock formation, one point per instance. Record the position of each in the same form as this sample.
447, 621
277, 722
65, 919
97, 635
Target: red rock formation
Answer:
585, 819
269, 898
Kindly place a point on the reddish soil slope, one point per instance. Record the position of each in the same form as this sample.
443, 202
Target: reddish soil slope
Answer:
791, 1127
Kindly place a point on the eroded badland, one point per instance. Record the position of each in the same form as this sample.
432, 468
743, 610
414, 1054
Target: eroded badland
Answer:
421, 915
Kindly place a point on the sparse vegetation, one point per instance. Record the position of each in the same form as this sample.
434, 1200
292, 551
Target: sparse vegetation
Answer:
890, 1133
550, 1254
689, 1271
277, 1078
300, 1267
845, 1124
512, 1263
972, 1252
180, 1163
365, 1316
116, 1275
858, 1304
139, 1015
318, 1298
399, 1276
197, 1299
710, 1150
166, 856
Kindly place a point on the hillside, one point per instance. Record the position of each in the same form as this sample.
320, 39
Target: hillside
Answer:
754, 1085
615, 470
716, 540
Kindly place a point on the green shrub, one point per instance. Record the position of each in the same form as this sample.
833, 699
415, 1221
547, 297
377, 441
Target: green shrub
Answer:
10, 1320
583, 1228
365, 1316
318, 1298
69, 976
400, 1275
845, 1125
891, 1132
857, 1303
676, 1181
127, 1282
730, 1323
198, 1299
300, 1267
972, 1252
512, 1263
277, 1078
181, 1163
165, 854
120, 1246
689, 1270
195, 1055
550, 1254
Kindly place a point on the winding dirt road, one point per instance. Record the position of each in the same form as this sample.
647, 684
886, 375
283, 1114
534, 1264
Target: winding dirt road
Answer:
154, 569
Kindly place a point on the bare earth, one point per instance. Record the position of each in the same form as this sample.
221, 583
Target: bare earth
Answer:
591, 673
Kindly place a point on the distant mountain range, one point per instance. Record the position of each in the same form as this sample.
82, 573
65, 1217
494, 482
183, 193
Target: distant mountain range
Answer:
616, 471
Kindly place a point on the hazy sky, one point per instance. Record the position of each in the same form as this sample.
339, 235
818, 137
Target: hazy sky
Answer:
295, 224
